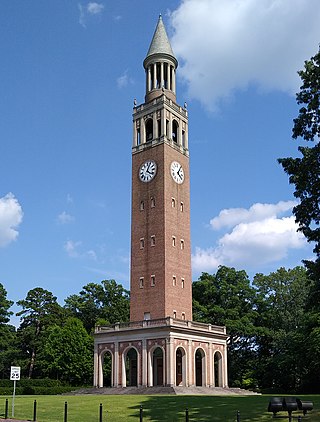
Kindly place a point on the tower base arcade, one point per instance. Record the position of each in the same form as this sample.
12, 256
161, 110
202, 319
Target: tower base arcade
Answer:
161, 352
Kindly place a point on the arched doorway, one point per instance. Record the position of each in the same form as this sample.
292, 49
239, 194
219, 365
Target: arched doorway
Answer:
200, 367
131, 367
157, 367
107, 369
218, 369
180, 367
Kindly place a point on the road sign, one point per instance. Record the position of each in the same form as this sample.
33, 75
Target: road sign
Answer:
15, 373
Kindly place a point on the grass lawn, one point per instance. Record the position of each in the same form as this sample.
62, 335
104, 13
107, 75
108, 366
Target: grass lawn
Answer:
155, 408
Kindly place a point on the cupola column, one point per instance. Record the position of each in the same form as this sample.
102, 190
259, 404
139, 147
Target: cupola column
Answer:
169, 76
162, 75
154, 75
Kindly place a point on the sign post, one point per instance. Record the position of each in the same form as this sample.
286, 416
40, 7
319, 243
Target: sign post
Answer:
14, 376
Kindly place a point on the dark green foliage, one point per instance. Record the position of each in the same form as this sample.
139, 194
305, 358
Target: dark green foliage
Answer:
304, 172
68, 353
105, 303
39, 310
227, 298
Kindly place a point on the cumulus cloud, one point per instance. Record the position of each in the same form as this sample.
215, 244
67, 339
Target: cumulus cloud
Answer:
257, 236
89, 9
65, 218
232, 44
11, 215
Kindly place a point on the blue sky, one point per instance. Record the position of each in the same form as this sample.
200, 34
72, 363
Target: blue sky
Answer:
69, 73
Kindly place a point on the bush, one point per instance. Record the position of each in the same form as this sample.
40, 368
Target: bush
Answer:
35, 387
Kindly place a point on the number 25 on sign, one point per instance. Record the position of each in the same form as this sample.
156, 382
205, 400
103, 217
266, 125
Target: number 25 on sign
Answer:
14, 376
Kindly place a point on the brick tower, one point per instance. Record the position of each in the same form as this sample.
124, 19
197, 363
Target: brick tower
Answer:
161, 345
160, 234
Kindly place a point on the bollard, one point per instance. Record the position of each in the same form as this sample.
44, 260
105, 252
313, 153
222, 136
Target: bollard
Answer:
187, 415
34, 410
6, 409
65, 411
141, 415
238, 416
100, 413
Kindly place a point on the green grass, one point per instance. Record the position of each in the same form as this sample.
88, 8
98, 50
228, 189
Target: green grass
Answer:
155, 408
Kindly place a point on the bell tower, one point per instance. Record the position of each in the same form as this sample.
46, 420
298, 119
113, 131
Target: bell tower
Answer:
161, 345
160, 282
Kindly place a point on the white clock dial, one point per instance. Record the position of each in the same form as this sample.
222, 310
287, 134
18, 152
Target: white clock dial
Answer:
177, 172
147, 171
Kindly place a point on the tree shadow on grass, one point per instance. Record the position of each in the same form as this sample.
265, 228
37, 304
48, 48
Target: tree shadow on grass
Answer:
159, 408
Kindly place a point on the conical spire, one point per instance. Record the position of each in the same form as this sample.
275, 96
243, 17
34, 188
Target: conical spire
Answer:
160, 43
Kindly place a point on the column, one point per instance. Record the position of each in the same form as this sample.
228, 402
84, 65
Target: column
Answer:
116, 365
142, 131
100, 366
144, 363
149, 79
161, 75
169, 75
96, 367
154, 75
169, 362
173, 80
210, 365
134, 134
180, 133
225, 368
190, 364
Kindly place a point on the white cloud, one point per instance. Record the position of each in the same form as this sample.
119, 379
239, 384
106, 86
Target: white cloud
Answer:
256, 237
95, 8
65, 218
231, 44
257, 212
91, 8
124, 80
75, 250
11, 215
72, 248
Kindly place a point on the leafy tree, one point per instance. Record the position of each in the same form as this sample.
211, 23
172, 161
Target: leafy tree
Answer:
226, 298
281, 305
105, 303
7, 334
5, 305
304, 172
68, 353
39, 310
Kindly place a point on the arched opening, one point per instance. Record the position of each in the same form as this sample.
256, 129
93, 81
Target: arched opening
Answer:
107, 369
157, 366
200, 367
131, 366
218, 369
175, 128
149, 130
180, 367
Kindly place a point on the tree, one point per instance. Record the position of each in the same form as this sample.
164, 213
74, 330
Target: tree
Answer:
7, 333
105, 303
281, 305
68, 353
304, 172
39, 310
226, 298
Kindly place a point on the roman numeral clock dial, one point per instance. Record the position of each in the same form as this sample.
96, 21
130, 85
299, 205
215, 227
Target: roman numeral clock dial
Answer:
147, 171
177, 172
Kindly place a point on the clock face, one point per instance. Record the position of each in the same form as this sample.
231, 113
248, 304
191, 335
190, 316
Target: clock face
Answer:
147, 171
177, 172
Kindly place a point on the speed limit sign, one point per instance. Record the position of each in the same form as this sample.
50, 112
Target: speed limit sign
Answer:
15, 373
